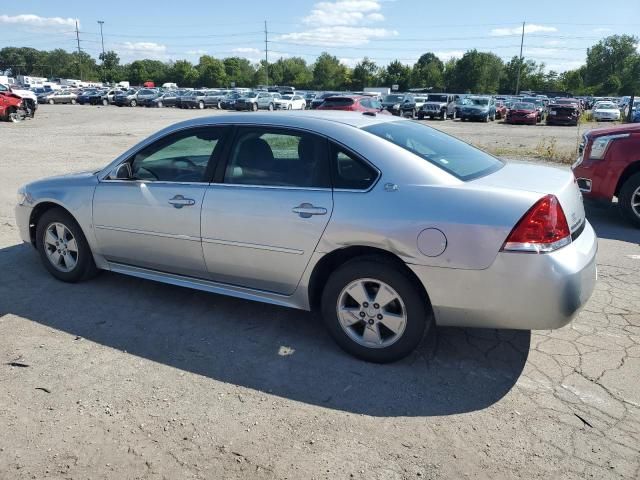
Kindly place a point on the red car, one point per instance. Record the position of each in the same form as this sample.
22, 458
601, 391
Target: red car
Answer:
609, 166
353, 103
11, 107
520, 112
501, 110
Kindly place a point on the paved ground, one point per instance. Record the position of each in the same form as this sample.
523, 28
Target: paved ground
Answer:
123, 378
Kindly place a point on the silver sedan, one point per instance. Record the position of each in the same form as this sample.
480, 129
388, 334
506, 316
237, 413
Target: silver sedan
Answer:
386, 225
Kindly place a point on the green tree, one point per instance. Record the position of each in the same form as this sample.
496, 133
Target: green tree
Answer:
111, 69
184, 74
606, 62
365, 74
211, 72
239, 71
329, 73
397, 73
428, 72
477, 72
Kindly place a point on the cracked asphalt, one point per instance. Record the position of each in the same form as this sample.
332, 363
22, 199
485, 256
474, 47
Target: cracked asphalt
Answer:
128, 379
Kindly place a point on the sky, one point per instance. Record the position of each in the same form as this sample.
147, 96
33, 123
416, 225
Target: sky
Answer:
557, 32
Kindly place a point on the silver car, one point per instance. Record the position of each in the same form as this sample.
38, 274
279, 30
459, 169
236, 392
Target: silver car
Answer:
386, 225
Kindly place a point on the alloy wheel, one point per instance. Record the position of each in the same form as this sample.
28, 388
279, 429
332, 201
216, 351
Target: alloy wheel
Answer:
635, 202
60, 247
371, 313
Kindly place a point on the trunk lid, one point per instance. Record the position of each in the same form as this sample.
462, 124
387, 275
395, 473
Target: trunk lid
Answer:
544, 180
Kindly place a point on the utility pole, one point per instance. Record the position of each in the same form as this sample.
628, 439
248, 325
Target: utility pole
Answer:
266, 54
520, 62
101, 22
79, 52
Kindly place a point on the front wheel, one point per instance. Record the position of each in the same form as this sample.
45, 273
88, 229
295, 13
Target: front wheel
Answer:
63, 248
270, 107
105, 102
201, 105
73, 101
159, 104
443, 115
374, 311
254, 107
629, 199
133, 103
51, 101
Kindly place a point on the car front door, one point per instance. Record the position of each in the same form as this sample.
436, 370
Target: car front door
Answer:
263, 217
151, 218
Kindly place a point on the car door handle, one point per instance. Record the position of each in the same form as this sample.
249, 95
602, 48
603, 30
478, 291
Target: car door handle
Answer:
179, 201
306, 210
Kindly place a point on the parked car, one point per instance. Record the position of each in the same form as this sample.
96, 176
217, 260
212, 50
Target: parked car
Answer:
257, 101
128, 98
635, 112
290, 102
439, 105
44, 96
214, 98
229, 102
606, 111
398, 103
609, 166
11, 106
29, 99
107, 97
539, 104
146, 96
90, 97
62, 96
167, 99
478, 108
522, 113
373, 220
353, 103
196, 99
320, 97
308, 98
501, 109
563, 113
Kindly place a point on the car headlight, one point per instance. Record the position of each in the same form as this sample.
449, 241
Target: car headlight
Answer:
22, 196
396, 106
600, 144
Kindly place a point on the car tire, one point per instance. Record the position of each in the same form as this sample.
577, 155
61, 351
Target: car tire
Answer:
254, 107
159, 104
270, 107
628, 196
56, 225
219, 105
201, 105
51, 101
443, 115
493, 117
73, 101
408, 314
105, 102
290, 107
133, 103
454, 116
420, 115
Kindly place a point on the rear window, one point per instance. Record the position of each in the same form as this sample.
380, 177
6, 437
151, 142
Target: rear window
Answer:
338, 102
448, 153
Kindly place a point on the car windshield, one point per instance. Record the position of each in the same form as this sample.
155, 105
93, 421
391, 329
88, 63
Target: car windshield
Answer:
607, 105
251, 95
146, 92
448, 153
287, 97
566, 102
393, 98
130, 92
523, 106
479, 101
436, 98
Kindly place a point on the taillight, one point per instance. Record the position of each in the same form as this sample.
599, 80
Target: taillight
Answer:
542, 229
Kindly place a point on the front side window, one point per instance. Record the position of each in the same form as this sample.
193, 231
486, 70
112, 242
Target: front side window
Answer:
450, 154
350, 172
278, 158
181, 157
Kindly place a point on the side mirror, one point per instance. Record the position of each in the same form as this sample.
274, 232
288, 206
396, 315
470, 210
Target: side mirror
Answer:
121, 172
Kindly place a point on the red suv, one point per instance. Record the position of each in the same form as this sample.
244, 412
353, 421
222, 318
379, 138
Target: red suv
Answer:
609, 166
353, 103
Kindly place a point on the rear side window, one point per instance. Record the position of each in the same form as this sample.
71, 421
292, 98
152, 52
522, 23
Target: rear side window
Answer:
338, 102
350, 172
450, 154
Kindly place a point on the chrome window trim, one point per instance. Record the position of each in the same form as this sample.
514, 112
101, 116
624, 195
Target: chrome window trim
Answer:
152, 182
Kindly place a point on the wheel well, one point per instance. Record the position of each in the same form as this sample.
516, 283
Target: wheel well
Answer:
331, 261
631, 169
36, 213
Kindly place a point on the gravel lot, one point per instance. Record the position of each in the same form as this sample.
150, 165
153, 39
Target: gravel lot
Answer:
123, 378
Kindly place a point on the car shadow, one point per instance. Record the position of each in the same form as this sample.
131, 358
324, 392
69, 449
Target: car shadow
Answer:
281, 351
608, 222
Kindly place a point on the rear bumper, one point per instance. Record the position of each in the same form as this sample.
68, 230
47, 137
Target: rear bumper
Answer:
518, 291
556, 120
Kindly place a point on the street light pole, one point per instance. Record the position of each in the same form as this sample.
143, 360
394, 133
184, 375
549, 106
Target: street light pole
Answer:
101, 22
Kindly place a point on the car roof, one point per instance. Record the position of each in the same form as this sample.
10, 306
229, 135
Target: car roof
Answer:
624, 128
302, 119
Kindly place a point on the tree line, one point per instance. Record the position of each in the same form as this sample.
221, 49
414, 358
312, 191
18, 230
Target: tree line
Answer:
612, 67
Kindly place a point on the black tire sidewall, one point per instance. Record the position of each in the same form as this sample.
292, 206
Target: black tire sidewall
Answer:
624, 199
419, 315
85, 265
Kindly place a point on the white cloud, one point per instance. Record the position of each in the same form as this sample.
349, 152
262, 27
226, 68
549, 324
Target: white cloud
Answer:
344, 12
141, 50
350, 62
254, 51
529, 28
30, 20
338, 36
564, 65
449, 54
196, 52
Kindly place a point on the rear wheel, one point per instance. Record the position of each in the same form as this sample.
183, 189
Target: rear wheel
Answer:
629, 199
73, 101
374, 311
254, 107
443, 115
105, 102
270, 107
15, 116
159, 104
51, 101
133, 103
201, 105
63, 248
420, 115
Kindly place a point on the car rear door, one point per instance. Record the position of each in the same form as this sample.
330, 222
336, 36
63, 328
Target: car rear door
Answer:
263, 217
152, 220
